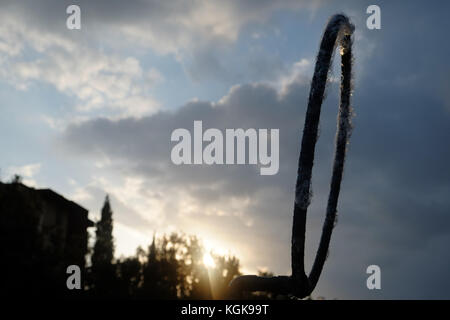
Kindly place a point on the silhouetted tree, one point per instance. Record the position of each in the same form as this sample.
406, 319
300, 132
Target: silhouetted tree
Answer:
103, 271
129, 277
173, 268
104, 246
200, 284
225, 269
164, 273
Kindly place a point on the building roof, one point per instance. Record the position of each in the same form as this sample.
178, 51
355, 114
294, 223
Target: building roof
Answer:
52, 198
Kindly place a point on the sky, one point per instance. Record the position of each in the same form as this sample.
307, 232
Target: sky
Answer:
90, 112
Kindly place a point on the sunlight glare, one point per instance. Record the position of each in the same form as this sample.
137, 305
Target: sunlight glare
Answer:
208, 260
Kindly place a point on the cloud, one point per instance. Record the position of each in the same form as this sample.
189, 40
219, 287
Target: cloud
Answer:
170, 27
196, 33
94, 79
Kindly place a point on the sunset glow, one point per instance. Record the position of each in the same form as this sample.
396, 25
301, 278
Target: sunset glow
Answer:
208, 260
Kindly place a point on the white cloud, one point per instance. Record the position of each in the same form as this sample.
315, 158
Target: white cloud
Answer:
77, 64
175, 26
96, 80
300, 72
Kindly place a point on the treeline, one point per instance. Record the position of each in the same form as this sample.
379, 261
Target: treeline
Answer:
172, 267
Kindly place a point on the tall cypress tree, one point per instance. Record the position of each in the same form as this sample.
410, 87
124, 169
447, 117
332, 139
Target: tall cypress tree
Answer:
104, 246
102, 257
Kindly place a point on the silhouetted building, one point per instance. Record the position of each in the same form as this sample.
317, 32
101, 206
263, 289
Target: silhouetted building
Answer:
41, 233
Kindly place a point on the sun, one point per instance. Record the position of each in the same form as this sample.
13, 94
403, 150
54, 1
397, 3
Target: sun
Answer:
208, 260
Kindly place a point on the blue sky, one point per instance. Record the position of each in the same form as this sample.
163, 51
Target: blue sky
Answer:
89, 112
